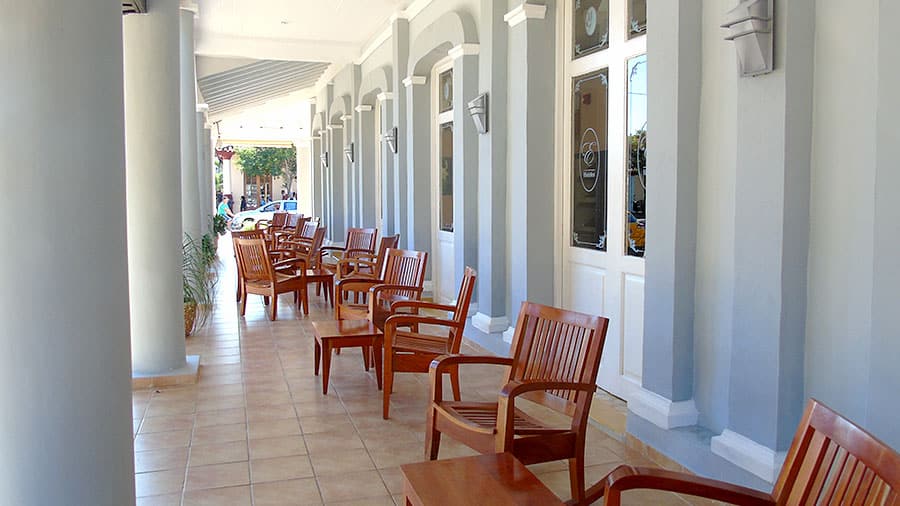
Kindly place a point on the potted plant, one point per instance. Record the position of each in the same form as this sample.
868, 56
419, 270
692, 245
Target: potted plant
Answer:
218, 225
198, 284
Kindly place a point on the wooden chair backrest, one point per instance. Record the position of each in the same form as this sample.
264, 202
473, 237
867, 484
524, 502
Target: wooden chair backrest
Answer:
405, 268
279, 219
316, 245
462, 308
292, 220
834, 461
361, 238
254, 259
553, 344
387, 242
309, 229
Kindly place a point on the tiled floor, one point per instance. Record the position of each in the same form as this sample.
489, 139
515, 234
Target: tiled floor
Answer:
256, 429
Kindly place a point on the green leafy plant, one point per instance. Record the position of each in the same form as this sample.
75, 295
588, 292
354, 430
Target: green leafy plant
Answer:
218, 224
199, 282
269, 162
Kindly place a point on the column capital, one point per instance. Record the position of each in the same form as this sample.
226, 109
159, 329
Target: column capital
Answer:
524, 12
363, 108
411, 80
190, 6
202, 107
463, 50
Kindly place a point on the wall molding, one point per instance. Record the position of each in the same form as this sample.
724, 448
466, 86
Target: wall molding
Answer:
386, 95
490, 324
411, 80
334, 126
748, 454
363, 108
524, 12
347, 117
662, 412
463, 50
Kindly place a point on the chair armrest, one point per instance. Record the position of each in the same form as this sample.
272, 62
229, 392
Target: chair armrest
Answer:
380, 287
626, 477
402, 320
440, 364
421, 304
331, 248
290, 261
517, 387
357, 252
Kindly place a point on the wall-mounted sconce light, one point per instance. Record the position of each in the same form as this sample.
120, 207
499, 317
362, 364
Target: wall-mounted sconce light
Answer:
750, 26
390, 137
324, 158
478, 109
348, 152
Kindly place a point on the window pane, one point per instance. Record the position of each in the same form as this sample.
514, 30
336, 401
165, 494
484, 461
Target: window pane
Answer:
445, 81
589, 99
290, 206
590, 27
636, 164
447, 177
637, 18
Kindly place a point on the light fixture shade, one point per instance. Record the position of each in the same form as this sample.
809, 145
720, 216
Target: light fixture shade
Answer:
750, 27
478, 109
324, 158
348, 152
390, 137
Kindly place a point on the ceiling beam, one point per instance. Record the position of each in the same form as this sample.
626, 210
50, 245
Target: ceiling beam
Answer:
230, 46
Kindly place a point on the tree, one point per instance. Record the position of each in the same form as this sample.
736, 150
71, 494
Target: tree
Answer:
269, 162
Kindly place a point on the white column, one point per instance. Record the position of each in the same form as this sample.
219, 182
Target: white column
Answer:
190, 205
226, 176
202, 168
152, 161
65, 379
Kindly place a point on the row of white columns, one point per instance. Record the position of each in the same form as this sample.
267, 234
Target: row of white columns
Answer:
75, 287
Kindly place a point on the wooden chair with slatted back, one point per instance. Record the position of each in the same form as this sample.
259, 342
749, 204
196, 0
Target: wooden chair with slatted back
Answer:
359, 241
292, 229
365, 265
831, 461
248, 234
553, 361
408, 350
263, 277
305, 261
269, 227
402, 278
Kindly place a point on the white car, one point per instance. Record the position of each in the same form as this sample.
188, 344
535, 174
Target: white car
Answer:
247, 219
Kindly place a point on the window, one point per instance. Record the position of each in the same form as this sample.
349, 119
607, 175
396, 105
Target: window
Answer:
590, 27
290, 206
445, 96
636, 160
637, 18
589, 167
446, 168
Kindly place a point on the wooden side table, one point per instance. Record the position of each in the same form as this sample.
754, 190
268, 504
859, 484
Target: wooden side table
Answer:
334, 335
496, 479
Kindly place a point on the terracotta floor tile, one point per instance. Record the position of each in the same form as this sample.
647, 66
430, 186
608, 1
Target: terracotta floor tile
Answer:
160, 440
280, 468
352, 486
344, 461
393, 479
274, 412
283, 446
217, 475
219, 434
166, 423
327, 423
220, 417
324, 442
274, 428
219, 453
231, 496
160, 500
158, 482
160, 460
284, 493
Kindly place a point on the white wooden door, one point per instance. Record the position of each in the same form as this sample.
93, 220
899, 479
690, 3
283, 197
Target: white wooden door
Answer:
601, 178
443, 275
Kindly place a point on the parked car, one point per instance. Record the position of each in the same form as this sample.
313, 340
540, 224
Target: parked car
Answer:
249, 218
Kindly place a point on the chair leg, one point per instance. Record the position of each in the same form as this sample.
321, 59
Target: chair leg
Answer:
576, 479
454, 383
266, 300
274, 307
304, 299
388, 368
365, 352
432, 437
244, 303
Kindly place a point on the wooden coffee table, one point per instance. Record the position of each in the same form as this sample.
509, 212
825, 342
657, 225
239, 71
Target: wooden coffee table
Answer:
496, 479
334, 335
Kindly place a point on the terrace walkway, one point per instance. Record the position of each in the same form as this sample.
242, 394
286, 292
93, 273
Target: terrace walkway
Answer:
257, 430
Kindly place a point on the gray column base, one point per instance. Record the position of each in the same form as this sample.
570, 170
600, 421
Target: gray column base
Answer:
490, 324
185, 375
748, 454
662, 412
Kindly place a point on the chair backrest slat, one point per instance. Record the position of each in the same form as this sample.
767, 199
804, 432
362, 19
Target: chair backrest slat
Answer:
463, 299
254, 258
387, 242
362, 239
834, 461
405, 268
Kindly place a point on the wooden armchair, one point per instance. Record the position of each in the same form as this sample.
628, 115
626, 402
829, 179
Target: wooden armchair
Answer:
413, 351
359, 241
554, 360
259, 275
235, 235
402, 277
291, 230
277, 222
831, 461
305, 260
365, 265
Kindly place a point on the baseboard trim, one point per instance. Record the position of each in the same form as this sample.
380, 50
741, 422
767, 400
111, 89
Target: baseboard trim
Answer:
747, 454
490, 324
662, 412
